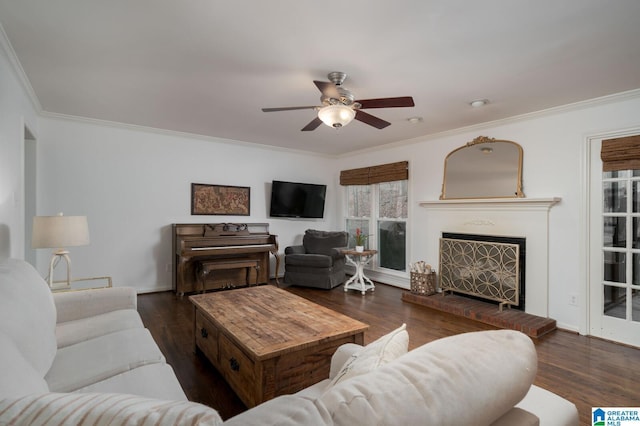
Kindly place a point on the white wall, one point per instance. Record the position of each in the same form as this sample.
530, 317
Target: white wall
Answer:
553, 144
16, 112
133, 184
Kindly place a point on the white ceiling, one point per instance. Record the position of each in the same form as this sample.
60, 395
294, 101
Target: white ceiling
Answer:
207, 67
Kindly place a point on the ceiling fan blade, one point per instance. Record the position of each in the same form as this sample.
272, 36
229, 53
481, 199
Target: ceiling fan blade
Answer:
287, 108
404, 101
371, 120
312, 125
327, 88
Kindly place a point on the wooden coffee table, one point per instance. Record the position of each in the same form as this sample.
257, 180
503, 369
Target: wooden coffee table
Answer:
267, 342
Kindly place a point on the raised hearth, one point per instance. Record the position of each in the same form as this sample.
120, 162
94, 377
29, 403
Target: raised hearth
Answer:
485, 312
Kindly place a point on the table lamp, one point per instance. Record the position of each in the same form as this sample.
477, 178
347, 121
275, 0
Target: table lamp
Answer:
58, 232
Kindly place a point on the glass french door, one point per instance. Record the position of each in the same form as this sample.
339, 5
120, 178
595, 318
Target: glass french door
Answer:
614, 287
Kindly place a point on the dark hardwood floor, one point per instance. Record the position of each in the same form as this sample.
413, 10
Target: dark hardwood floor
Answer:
587, 371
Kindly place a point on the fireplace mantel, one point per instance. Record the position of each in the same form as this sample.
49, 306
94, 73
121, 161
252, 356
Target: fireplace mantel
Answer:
492, 203
509, 217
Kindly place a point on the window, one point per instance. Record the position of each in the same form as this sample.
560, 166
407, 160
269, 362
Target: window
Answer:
359, 202
380, 210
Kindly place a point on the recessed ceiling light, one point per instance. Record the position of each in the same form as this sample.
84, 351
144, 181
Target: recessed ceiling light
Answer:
479, 103
486, 151
415, 120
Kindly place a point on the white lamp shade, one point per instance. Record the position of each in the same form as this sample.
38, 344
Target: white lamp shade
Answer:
336, 115
59, 231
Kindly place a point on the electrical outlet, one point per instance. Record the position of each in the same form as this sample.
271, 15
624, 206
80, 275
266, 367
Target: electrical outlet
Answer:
573, 299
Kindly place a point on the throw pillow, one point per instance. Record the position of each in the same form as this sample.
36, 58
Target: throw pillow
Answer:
103, 409
377, 353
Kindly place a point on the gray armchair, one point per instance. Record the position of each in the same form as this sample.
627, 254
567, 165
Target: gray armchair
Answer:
318, 262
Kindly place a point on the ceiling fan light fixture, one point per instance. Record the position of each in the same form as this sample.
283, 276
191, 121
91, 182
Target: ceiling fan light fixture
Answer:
336, 116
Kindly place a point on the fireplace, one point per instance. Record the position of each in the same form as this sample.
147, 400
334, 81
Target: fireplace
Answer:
486, 267
526, 218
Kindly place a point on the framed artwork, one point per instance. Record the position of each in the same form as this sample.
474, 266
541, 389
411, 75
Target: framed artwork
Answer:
220, 200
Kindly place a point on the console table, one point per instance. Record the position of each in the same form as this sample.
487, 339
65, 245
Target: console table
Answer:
61, 286
359, 259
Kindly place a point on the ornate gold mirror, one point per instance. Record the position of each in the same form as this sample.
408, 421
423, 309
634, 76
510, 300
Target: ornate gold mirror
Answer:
483, 168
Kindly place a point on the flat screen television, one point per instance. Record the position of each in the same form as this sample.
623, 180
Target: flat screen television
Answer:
292, 199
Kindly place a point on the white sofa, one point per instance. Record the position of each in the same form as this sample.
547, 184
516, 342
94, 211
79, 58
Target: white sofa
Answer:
480, 378
85, 358
64, 349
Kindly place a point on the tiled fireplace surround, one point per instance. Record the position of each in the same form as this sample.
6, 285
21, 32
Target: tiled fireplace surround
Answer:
509, 217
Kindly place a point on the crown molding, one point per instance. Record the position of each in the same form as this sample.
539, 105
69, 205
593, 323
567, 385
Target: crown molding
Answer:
589, 103
174, 133
6, 46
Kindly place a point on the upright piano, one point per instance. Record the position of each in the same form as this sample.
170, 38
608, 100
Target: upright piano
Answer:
222, 244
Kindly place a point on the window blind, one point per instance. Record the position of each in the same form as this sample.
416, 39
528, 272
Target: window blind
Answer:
375, 174
620, 153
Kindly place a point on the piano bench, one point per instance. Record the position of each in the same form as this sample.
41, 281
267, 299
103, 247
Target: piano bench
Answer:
206, 267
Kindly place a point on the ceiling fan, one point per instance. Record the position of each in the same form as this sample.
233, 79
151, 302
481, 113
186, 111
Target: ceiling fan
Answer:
339, 106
